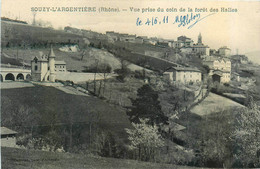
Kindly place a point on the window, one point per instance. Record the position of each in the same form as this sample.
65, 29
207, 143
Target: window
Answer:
35, 67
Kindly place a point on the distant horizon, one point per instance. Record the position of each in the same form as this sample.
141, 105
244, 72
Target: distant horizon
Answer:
253, 55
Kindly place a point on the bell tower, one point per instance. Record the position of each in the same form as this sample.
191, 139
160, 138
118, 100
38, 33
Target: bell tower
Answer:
52, 65
200, 39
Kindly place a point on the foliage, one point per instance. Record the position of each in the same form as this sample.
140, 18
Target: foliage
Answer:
99, 68
19, 115
247, 135
175, 99
14, 158
105, 144
145, 139
147, 105
123, 71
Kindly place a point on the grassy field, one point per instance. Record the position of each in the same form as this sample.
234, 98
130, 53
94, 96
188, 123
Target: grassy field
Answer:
214, 103
55, 106
28, 159
117, 92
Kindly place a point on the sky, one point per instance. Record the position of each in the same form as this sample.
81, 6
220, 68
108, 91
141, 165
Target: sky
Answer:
237, 30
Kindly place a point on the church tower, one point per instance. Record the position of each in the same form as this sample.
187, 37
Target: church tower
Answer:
52, 66
200, 39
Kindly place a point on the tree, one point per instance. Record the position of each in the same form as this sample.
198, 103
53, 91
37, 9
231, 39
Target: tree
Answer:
147, 105
145, 139
83, 54
175, 99
247, 135
123, 71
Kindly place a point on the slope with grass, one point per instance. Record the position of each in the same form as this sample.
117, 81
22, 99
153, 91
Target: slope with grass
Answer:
214, 103
53, 106
29, 159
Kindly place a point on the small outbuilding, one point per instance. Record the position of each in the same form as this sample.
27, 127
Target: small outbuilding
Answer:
8, 137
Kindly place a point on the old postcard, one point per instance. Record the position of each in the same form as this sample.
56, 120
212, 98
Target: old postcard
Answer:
130, 84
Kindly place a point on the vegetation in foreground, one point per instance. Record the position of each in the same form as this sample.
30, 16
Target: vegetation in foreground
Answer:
30, 159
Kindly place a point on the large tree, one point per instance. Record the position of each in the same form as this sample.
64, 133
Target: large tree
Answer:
247, 136
145, 140
147, 105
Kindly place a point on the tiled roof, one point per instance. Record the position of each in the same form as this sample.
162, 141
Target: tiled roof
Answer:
60, 62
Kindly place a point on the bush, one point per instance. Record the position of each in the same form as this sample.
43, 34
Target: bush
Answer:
100, 68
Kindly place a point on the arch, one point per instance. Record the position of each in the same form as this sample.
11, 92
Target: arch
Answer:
28, 77
1, 78
9, 76
20, 76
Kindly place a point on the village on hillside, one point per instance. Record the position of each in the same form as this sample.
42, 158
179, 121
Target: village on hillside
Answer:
123, 96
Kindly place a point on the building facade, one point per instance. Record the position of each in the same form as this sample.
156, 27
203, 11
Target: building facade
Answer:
219, 67
185, 75
8, 137
200, 48
60, 66
224, 51
44, 68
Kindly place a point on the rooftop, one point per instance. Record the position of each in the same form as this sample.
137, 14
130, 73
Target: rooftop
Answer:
43, 58
200, 46
212, 59
60, 62
179, 68
7, 131
224, 47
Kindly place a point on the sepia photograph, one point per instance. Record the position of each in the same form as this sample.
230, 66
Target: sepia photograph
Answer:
142, 84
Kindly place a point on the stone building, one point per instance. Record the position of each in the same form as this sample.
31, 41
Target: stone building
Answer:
219, 68
43, 67
185, 75
200, 48
60, 66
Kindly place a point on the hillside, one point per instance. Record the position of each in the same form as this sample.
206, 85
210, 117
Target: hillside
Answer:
49, 109
214, 103
72, 59
27, 159
23, 34
254, 56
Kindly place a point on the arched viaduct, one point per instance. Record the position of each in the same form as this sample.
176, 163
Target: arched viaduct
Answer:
14, 74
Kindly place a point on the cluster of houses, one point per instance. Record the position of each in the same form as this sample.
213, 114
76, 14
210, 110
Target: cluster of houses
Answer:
217, 62
84, 32
185, 44
115, 36
45, 68
219, 68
